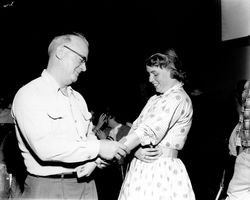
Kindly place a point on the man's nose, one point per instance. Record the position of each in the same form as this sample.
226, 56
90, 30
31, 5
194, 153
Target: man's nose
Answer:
83, 67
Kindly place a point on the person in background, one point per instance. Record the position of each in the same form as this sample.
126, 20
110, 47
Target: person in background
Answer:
234, 143
111, 178
239, 186
54, 129
118, 129
101, 129
10, 155
5, 114
6, 124
163, 125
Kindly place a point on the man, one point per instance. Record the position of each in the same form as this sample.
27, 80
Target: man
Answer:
54, 130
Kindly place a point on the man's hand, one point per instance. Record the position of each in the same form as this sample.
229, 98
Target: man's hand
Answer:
86, 169
101, 163
112, 149
148, 155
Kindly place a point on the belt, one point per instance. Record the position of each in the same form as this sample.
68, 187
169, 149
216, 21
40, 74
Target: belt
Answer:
167, 152
61, 176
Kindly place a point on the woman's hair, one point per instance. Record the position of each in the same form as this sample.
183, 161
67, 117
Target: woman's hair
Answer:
168, 60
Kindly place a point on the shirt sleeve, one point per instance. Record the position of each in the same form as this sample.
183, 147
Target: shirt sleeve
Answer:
33, 124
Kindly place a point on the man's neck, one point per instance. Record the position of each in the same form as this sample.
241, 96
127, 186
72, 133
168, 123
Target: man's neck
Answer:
54, 70
64, 90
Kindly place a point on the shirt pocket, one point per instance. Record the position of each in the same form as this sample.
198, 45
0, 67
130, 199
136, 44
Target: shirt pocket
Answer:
55, 116
58, 123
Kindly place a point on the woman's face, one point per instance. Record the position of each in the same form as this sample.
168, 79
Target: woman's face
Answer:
160, 78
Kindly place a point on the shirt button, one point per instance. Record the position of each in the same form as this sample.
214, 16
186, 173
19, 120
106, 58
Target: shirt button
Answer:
75, 121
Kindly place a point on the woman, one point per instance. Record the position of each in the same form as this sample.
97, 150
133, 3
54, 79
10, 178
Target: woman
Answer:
163, 124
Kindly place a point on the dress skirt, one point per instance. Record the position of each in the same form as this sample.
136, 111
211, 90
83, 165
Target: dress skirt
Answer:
164, 179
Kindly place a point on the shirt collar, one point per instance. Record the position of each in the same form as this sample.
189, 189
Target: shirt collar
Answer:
53, 83
69, 91
118, 126
48, 78
175, 87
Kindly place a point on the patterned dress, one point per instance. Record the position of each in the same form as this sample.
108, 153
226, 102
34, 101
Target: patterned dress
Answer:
165, 122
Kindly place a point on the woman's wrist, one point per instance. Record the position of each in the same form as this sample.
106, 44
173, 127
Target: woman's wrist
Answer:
130, 141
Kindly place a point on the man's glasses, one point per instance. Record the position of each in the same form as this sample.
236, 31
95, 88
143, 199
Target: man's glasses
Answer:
83, 58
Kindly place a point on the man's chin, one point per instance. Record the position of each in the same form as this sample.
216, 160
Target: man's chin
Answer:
157, 89
75, 78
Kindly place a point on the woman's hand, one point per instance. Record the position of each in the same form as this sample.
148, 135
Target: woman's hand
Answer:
148, 154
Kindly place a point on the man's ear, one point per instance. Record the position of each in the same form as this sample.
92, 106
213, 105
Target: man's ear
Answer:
60, 52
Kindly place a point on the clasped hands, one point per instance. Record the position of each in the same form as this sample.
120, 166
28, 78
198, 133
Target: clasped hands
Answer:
116, 151
112, 150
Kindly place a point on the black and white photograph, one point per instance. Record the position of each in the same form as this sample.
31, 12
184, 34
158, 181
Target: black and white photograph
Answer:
125, 100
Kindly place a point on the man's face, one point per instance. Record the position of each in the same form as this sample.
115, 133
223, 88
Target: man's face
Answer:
159, 78
75, 60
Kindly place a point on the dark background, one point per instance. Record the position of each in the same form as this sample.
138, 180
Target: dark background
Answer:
122, 34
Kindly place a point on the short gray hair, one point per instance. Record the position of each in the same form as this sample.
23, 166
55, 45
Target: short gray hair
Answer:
64, 39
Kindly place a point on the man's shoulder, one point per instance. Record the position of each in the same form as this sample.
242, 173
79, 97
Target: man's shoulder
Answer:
79, 98
77, 94
32, 85
33, 89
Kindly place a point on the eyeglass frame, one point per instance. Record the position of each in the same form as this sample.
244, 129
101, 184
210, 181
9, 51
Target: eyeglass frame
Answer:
84, 59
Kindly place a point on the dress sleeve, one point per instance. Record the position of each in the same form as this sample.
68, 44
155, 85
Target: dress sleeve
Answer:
175, 108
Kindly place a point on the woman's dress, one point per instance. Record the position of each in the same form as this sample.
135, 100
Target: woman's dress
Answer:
164, 122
